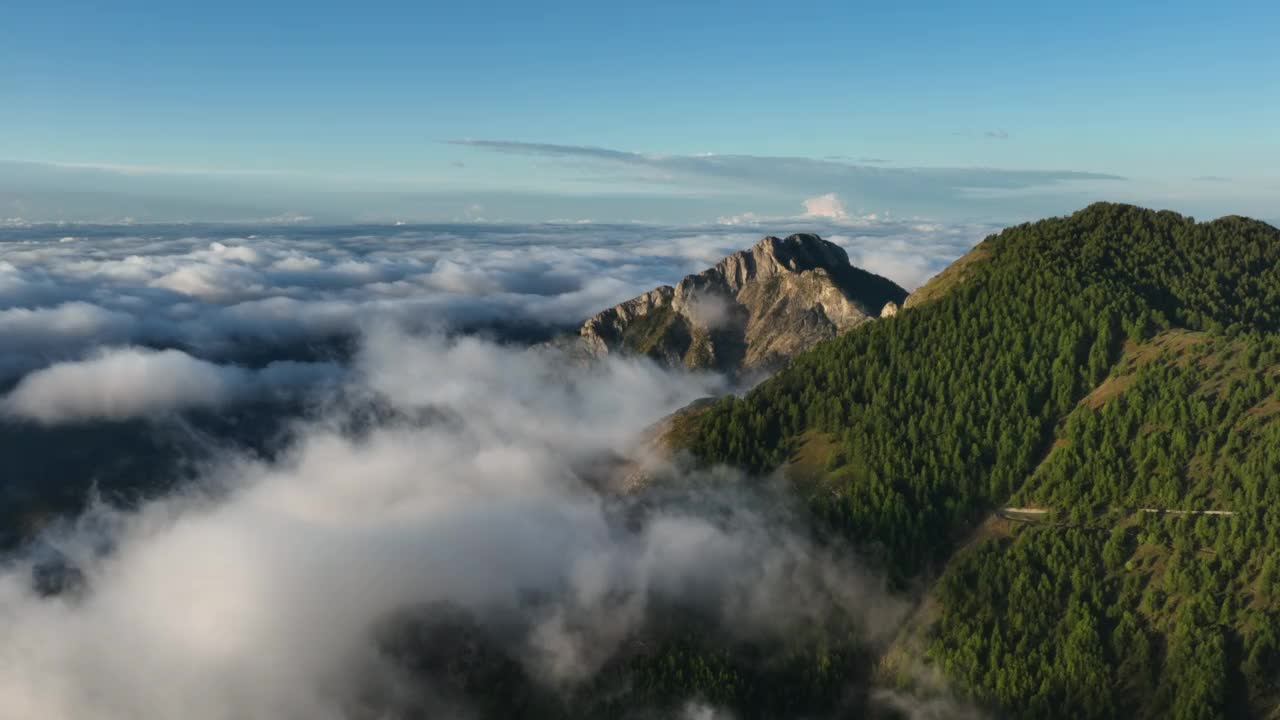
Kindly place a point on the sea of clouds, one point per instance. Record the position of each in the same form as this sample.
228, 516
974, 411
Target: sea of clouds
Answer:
222, 292
257, 591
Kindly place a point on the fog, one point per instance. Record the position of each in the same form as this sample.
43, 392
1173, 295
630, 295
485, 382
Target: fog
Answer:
430, 472
257, 593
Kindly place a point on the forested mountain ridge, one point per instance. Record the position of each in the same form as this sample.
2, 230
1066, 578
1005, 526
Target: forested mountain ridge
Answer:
751, 311
907, 434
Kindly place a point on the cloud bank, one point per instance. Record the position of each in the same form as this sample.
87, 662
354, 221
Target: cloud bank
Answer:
123, 383
434, 480
262, 593
212, 292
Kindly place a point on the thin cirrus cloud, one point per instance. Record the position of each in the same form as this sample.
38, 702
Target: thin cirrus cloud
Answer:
520, 181
862, 159
926, 190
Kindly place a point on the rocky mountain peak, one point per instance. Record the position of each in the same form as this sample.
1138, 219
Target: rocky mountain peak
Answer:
752, 310
802, 251
774, 256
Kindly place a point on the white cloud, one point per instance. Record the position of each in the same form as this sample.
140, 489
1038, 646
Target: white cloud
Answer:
825, 206
32, 336
746, 218
257, 593
133, 169
708, 311
213, 295
51, 326
122, 383
264, 602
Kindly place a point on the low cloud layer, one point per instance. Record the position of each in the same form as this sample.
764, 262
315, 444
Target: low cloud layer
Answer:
124, 383
260, 593
432, 472
212, 292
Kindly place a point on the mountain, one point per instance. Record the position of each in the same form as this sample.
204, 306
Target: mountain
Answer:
752, 311
1071, 439
1065, 448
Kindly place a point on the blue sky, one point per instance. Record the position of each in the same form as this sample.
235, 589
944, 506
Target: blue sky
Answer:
235, 110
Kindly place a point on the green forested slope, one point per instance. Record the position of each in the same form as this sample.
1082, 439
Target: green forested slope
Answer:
1166, 330
1155, 614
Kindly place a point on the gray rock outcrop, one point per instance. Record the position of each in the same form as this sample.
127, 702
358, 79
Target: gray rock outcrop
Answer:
752, 311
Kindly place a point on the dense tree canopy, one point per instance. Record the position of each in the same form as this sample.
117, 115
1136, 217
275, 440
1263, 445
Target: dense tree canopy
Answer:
1100, 364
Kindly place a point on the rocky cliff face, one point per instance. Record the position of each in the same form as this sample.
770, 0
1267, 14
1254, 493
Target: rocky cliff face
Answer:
752, 311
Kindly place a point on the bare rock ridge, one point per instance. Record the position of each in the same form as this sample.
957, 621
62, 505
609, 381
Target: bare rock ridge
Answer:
752, 311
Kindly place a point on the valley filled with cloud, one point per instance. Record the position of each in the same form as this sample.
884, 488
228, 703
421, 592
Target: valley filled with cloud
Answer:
349, 435
226, 292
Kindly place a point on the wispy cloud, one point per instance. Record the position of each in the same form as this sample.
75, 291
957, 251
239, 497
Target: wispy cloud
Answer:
119, 383
903, 189
783, 168
139, 169
868, 160
552, 150
428, 476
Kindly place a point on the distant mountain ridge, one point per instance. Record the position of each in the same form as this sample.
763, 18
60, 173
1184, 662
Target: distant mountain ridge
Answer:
752, 311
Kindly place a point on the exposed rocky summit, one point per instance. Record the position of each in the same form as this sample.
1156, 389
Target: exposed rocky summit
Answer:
752, 311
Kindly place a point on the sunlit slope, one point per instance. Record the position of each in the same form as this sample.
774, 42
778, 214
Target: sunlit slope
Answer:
1103, 364
1152, 585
